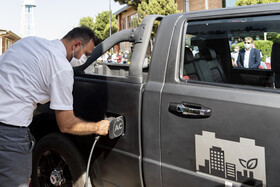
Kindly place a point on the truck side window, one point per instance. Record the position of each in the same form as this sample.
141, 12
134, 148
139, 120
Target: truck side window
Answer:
232, 51
114, 62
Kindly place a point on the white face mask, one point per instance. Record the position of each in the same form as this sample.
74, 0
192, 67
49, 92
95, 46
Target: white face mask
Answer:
236, 50
77, 62
247, 46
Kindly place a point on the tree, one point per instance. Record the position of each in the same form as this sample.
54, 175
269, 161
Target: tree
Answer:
87, 21
133, 3
114, 28
254, 2
162, 7
101, 22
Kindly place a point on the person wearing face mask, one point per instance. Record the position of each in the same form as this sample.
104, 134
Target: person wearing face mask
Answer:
234, 55
35, 70
77, 62
249, 57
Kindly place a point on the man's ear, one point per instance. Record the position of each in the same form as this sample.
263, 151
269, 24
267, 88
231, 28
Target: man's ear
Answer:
76, 44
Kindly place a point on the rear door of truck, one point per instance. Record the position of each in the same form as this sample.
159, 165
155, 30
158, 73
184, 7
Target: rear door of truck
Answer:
105, 87
105, 91
219, 123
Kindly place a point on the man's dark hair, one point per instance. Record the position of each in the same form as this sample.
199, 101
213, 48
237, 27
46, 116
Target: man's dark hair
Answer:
83, 33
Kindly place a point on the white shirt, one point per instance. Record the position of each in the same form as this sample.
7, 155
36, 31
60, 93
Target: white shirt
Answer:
246, 58
34, 70
114, 57
234, 55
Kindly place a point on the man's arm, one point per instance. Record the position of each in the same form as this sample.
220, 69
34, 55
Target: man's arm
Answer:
69, 123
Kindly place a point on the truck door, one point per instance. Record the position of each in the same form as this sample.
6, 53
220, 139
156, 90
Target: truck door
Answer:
109, 85
219, 122
103, 91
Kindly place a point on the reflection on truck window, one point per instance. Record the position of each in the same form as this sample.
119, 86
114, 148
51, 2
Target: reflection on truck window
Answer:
257, 44
231, 51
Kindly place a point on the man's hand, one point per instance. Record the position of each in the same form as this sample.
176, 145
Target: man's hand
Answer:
68, 123
103, 127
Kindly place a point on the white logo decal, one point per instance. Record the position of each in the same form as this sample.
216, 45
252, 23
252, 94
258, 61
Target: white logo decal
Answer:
238, 162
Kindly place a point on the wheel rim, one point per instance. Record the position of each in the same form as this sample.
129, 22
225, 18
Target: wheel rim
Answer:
53, 170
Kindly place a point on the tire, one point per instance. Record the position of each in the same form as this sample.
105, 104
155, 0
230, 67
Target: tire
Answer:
55, 155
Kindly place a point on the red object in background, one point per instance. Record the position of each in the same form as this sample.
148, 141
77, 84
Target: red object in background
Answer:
119, 58
268, 65
186, 77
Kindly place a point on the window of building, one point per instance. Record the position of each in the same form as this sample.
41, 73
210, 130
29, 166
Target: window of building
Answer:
132, 20
224, 4
8, 43
1, 46
233, 51
123, 22
228, 3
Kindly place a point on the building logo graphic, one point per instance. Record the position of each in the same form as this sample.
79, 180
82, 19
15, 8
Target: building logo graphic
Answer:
238, 162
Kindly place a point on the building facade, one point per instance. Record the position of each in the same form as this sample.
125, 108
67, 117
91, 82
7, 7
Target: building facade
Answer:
195, 5
127, 19
127, 16
7, 38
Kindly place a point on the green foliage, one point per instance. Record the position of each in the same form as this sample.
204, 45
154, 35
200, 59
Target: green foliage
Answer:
87, 21
133, 3
273, 36
161, 7
253, 2
114, 28
240, 44
264, 46
101, 26
101, 22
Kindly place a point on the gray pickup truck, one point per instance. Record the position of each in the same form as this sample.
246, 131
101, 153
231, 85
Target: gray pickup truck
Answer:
194, 115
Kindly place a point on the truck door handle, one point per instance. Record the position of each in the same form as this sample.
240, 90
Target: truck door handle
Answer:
191, 110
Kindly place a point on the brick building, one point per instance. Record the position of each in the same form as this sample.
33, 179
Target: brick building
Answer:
127, 16
7, 38
195, 5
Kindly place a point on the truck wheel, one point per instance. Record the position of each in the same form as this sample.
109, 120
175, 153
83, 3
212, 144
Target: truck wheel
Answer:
57, 162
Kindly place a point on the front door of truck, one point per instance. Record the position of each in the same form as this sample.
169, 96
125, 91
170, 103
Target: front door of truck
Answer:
219, 122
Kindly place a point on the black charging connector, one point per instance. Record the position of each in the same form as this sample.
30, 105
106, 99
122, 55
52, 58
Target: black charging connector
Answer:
116, 129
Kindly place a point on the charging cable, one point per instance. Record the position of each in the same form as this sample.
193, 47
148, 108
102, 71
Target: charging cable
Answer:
89, 158
116, 129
